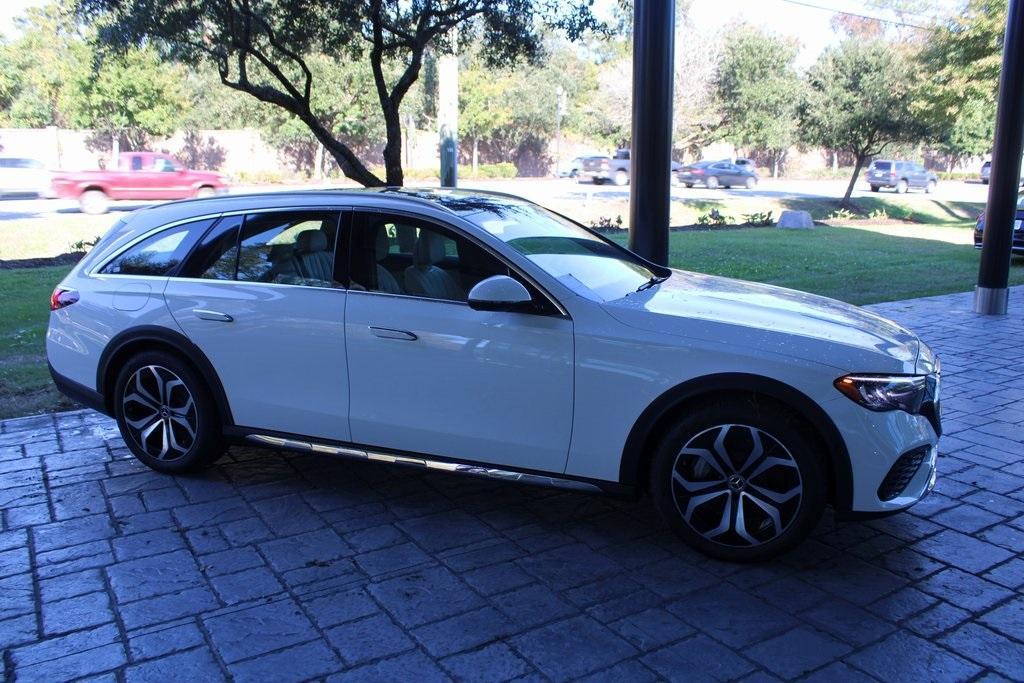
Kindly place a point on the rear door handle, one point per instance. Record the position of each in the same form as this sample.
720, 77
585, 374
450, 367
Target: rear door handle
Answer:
212, 315
388, 333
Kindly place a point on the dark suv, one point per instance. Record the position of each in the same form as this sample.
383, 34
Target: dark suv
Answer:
900, 176
1018, 232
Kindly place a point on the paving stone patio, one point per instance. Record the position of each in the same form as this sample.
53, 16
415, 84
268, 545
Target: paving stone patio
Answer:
276, 566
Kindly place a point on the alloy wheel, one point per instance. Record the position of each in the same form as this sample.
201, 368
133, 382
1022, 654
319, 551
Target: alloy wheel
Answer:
160, 412
736, 485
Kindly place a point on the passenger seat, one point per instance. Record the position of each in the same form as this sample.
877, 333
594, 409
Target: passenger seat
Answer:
424, 277
315, 262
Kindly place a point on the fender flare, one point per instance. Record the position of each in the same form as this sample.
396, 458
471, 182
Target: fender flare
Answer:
181, 345
635, 452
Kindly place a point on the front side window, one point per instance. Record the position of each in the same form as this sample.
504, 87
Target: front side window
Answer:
576, 257
407, 256
288, 247
159, 254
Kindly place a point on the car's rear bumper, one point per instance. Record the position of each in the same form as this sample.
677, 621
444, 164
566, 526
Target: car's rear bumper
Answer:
77, 392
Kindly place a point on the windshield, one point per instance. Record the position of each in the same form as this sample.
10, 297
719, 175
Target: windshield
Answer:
580, 260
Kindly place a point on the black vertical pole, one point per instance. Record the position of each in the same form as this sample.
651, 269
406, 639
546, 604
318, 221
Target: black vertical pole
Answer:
994, 273
651, 156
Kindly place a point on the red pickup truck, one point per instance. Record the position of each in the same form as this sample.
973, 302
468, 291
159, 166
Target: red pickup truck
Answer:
139, 175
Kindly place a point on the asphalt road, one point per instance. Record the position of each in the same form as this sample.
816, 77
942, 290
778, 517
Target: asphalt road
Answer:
548, 189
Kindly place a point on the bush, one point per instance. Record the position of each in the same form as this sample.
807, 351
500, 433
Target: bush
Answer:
260, 177
502, 170
758, 219
714, 218
841, 214
85, 245
604, 223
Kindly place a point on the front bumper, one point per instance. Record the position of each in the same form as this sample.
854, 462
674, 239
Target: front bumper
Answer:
875, 442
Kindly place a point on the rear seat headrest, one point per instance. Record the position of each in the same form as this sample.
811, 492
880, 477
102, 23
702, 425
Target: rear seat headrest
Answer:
312, 240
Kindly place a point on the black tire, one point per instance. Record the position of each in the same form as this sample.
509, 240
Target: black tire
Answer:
689, 184
729, 486
875, 188
161, 427
712, 183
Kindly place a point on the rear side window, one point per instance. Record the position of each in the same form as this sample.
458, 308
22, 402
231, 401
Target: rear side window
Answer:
159, 254
289, 247
882, 165
216, 255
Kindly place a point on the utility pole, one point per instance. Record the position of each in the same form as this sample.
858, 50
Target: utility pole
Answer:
991, 293
651, 155
448, 113
560, 109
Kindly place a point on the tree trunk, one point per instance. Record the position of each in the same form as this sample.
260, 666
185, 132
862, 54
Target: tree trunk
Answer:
476, 149
835, 161
393, 174
775, 166
853, 180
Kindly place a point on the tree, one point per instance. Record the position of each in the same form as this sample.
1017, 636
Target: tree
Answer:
129, 97
759, 92
37, 66
260, 47
859, 99
961, 62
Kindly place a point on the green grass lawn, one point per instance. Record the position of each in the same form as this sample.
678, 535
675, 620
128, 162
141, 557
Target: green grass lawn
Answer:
858, 265
25, 385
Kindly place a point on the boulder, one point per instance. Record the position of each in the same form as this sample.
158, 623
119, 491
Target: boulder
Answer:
795, 220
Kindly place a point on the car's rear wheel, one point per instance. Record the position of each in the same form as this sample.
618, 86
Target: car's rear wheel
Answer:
166, 414
930, 187
750, 183
689, 184
902, 187
205, 192
621, 178
739, 480
875, 188
712, 183
94, 202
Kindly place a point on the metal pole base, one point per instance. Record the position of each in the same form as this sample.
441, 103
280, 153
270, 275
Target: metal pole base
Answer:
990, 300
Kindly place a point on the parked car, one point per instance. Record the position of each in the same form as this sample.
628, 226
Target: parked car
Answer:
477, 333
900, 176
986, 172
1017, 245
601, 169
714, 174
139, 175
24, 176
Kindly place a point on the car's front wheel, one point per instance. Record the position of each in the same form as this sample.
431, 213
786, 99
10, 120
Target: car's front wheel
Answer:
902, 187
740, 480
750, 183
621, 178
712, 183
930, 187
166, 414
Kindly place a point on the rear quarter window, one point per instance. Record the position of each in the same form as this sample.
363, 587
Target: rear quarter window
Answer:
159, 254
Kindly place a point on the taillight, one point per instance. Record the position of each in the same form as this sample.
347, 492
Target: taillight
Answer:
697, 171
62, 297
604, 164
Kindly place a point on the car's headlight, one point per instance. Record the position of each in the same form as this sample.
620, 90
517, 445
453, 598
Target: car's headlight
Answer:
885, 392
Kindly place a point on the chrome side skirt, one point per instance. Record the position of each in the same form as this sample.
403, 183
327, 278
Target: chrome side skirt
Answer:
440, 465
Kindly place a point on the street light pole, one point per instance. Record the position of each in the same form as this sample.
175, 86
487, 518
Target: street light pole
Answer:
559, 113
651, 154
990, 296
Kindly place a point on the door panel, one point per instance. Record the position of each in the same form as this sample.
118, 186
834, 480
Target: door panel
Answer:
281, 357
490, 387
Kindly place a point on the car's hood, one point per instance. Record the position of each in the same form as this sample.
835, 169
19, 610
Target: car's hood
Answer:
771, 320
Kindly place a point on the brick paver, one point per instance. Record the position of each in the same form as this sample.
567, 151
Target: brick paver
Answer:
282, 566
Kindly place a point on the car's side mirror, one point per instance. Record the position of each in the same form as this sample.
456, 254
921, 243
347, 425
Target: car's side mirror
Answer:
500, 293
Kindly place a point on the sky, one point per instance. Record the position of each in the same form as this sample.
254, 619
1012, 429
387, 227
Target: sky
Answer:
788, 17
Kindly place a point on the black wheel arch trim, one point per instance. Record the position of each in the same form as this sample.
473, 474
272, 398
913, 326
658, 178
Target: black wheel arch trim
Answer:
635, 452
179, 344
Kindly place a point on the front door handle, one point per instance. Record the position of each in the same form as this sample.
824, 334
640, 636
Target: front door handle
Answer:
212, 315
388, 333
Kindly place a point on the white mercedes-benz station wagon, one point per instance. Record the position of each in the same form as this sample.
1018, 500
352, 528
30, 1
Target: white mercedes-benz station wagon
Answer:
480, 333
